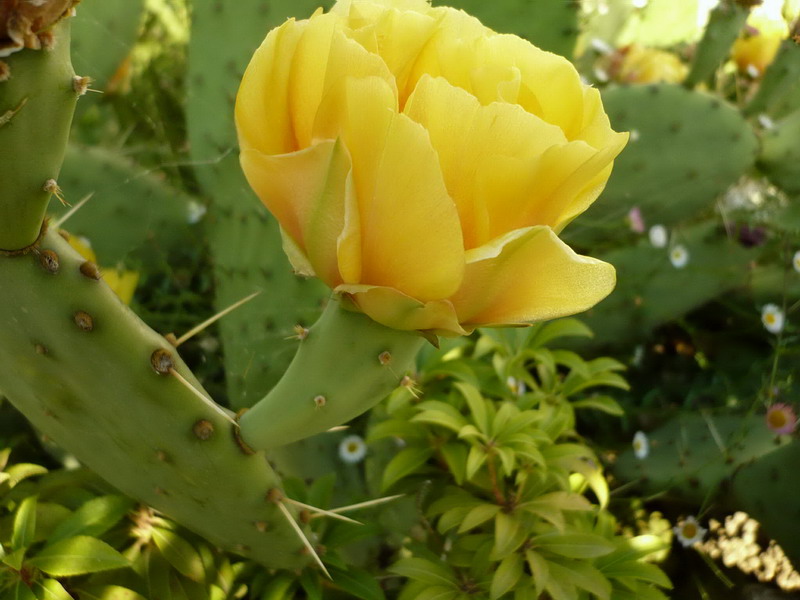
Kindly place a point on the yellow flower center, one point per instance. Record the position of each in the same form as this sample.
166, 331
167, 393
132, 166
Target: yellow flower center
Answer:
689, 530
777, 419
352, 447
770, 318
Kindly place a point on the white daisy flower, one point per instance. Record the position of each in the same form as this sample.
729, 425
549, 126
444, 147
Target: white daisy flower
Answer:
194, 212
772, 318
796, 261
679, 256
352, 449
658, 236
516, 386
641, 445
689, 531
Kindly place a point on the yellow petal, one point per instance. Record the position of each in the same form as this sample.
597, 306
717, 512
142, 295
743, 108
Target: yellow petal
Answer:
122, 283
394, 309
466, 136
397, 34
405, 214
529, 275
306, 192
324, 57
262, 114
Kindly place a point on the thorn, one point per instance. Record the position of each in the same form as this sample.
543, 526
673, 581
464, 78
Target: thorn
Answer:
10, 113
366, 504
60, 221
411, 385
320, 401
338, 428
51, 187
210, 403
300, 333
81, 84
195, 330
321, 512
288, 516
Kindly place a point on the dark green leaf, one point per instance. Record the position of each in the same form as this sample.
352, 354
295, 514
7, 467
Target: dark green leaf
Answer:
357, 583
403, 464
94, 518
179, 553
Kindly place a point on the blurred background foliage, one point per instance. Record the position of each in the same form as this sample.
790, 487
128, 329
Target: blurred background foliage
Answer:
701, 218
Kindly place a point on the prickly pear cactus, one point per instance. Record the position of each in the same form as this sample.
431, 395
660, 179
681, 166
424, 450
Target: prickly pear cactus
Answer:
244, 239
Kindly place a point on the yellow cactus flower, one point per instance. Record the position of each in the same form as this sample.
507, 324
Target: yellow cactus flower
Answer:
422, 165
122, 282
755, 49
650, 65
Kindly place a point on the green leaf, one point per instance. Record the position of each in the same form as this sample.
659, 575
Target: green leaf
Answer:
357, 583
394, 428
646, 572
440, 418
477, 516
508, 535
111, 592
477, 405
560, 328
280, 587
455, 455
77, 556
425, 571
584, 576
540, 569
604, 404
14, 559
94, 518
573, 545
403, 464
50, 589
507, 575
572, 361
475, 460
311, 584
19, 591
24, 524
20, 471
561, 589
437, 592
179, 553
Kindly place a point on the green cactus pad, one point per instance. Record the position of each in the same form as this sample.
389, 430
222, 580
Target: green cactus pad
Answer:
691, 456
686, 148
780, 155
651, 291
131, 212
243, 238
103, 35
779, 92
36, 107
549, 24
345, 365
724, 25
83, 369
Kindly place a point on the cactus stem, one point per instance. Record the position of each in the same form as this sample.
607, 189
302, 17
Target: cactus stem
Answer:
197, 329
360, 505
62, 219
288, 516
6, 117
208, 401
321, 512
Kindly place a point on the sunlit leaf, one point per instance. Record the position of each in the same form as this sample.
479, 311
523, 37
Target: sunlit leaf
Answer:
24, 524
477, 405
540, 569
573, 545
94, 518
50, 589
582, 575
604, 404
455, 455
179, 553
475, 460
507, 575
425, 571
78, 556
478, 516
403, 464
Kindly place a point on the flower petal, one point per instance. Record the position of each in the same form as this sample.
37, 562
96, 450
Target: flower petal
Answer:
324, 57
529, 275
394, 309
262, 114
466, 136
306, 192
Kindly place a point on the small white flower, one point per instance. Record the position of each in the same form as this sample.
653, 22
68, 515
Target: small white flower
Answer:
796, 261
772, 318
658, 236
679, 256
352, 449
516, 386
194, 212
641, 445
689, 531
